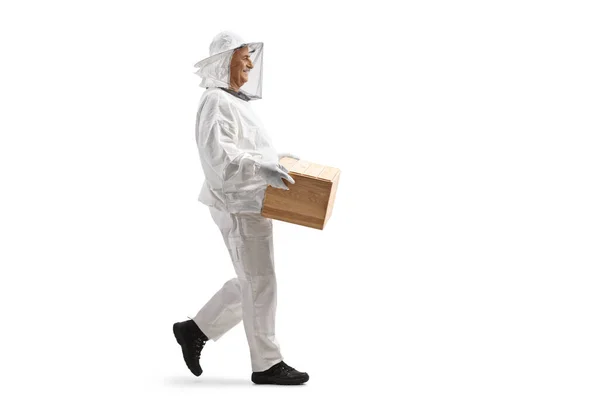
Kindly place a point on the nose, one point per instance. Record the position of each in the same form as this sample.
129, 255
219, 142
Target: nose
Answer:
249, 64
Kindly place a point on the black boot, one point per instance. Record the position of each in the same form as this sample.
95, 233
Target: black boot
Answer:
280, 374
192, 341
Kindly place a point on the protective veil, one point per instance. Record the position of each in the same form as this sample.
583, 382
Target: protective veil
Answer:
214, 70
239, 161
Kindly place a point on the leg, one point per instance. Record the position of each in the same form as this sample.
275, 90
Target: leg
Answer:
250, 241
259, 300
222, 312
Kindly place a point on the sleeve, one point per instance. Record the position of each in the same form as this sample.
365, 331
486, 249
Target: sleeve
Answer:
217, 143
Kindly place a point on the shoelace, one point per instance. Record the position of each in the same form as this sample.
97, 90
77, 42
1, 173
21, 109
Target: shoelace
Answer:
285, 368
198, 346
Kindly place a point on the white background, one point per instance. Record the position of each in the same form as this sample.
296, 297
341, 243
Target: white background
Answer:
461, 260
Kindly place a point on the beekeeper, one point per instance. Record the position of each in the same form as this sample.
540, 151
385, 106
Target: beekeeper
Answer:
239, 161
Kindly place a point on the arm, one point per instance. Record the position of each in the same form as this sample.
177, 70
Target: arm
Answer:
238, 165
217, 143
219, 149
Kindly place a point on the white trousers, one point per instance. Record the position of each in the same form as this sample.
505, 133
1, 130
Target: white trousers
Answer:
252, 296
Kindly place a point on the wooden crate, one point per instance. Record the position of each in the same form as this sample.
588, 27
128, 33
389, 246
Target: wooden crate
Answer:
309, 202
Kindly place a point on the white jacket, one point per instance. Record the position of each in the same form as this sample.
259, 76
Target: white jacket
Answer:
231, 139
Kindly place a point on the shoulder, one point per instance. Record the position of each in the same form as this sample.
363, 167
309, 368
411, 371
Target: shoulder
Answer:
215, 101
214, 97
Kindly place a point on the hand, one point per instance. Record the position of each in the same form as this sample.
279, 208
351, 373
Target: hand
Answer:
281, 155
273, 173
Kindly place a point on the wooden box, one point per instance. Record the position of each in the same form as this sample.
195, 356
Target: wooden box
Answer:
309, 202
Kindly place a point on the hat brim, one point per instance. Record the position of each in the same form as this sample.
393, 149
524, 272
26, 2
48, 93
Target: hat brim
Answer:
252, 45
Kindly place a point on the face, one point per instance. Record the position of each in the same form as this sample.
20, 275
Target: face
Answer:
239, 68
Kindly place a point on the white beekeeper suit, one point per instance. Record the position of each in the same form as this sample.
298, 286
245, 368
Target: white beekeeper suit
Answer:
239, 161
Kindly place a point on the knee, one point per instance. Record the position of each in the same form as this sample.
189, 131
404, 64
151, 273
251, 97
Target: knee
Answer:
232, 285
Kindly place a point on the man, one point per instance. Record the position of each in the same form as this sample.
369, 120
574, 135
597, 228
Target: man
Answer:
239, 161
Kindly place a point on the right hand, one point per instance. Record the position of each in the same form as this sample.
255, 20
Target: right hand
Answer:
273, 173
290, 155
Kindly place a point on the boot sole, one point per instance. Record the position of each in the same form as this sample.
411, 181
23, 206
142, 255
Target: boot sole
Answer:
271, 381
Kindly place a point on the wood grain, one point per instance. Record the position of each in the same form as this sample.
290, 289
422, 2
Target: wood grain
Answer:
309, 202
